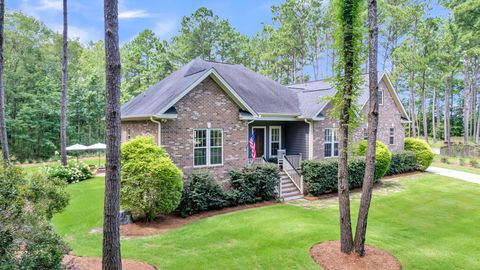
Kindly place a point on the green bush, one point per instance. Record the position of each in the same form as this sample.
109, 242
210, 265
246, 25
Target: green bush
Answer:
383, 157
249, 185
444, 159
321, 177
151, 184
474, 163
402, 162
27, 203
462, 162
201, 193
74, 171
254, 184
423, 152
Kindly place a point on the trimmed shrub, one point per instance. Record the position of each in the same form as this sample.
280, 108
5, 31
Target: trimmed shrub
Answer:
423, 152
151, 184
201, 193
27, 203
249, 185
321, 177
73, 172
474, 163
402, 162
383, 157
253, 184
461, 161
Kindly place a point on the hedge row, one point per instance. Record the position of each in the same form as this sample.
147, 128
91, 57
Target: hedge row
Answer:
249, 185
321, 176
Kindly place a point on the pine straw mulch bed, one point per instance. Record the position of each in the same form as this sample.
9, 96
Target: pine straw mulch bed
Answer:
329, 257
169, 222
95, 263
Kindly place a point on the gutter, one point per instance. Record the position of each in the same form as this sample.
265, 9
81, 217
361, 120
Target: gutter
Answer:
159, 137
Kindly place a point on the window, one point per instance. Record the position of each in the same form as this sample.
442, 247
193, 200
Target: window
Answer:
365, 133
207, 147
380, 97
129, 134
391, 139
331, 142
275, 140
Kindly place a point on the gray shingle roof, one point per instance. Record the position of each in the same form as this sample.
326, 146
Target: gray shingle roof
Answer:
312, 95
261, 94
258, 91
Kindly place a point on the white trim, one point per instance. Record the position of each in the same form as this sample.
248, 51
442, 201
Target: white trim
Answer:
383, 97
310, 139
394, 94
270, 139
147, 117
221, 82
390, 135
264, 137
333, 131
208, 148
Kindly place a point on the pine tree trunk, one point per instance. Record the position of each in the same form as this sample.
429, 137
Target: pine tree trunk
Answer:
369, 176
424, 110
438, 113
349, 66
434, 128
446, 117
3, 124
475, 100
411, 105
466, 100
111, 227
63, 106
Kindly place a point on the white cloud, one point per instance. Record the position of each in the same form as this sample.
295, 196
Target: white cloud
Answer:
50, 5
165, 28
134, 14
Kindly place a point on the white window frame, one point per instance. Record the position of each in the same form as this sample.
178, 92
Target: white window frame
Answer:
391, 136
365, 133
380, 101
332, 143
208, 147
279, 139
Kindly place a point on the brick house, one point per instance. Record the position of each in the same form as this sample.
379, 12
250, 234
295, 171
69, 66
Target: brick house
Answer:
204, 114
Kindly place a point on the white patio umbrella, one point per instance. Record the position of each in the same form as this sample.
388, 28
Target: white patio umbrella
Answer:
97, 146
77, 147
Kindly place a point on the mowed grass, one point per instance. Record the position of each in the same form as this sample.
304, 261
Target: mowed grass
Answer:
454, 164
431, 223
35, 167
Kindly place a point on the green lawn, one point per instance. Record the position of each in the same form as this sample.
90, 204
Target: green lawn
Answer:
454, 164
430, 223
34, 167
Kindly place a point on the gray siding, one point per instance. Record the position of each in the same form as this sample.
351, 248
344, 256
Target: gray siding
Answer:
296, 139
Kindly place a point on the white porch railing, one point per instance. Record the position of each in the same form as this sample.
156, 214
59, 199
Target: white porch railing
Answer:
290, 168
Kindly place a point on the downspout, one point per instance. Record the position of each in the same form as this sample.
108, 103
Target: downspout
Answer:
310, 138
159, 135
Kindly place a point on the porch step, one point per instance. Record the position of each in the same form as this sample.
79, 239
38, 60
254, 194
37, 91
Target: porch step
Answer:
289, 190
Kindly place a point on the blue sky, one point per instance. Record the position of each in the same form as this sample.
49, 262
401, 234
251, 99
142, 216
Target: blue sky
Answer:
163, 17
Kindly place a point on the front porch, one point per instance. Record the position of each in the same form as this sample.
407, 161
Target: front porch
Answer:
284, 143
271, 136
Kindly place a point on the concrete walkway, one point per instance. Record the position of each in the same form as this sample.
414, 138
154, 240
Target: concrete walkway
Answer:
465, 176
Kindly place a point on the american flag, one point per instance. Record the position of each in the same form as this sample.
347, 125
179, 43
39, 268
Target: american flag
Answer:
251, 142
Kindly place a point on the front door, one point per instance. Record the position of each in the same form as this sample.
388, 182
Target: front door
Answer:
259, 140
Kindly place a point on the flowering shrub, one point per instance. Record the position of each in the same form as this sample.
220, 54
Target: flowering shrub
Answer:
74, 171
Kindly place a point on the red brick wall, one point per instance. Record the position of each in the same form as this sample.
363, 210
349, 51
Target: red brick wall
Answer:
206, 103
389, 116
